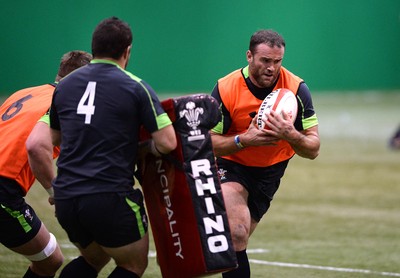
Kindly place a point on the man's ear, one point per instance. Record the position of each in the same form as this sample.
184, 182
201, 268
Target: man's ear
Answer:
249, 56
127, 55
127, 52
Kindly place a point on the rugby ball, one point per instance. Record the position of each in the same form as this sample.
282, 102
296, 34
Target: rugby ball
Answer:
278, 101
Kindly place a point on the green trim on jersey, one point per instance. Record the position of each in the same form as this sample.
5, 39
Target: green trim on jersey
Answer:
21, 219
45, 119
245, 71
104, 61
136, 210
220, 126
302, 105
310, 122
163, 120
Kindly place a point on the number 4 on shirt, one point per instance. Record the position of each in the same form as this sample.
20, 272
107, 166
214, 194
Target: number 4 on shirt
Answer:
87, 109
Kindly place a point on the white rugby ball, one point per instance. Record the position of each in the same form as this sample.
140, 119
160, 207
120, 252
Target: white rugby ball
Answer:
278, 101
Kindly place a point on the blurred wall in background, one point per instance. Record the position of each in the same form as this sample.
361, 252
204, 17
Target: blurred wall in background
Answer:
185, 46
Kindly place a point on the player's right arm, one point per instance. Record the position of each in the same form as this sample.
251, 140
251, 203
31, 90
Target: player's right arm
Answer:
40, 155
162, 141
165, 139
159, 124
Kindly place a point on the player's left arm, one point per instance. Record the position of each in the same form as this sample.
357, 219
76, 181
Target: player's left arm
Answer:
305, 143
305, 139
303, 136
40, 155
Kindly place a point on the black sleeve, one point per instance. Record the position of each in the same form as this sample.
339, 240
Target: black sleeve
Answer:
305, 106
53, 117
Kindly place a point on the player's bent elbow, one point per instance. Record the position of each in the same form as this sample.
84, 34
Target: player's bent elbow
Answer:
32, 149
170, 144
173, 143
313, 154
167, 144
35, 147
310, 156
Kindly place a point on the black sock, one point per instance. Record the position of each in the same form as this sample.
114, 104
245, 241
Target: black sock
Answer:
78, 268
243, 269
30, 274
120, 272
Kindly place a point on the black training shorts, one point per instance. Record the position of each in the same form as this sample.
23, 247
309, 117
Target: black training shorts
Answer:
261, 182
18, 221
109, 219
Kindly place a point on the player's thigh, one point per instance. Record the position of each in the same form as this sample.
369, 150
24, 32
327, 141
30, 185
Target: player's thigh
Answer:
43, 251
235, 194
95, 255
122, 219
133, 256
235, 198
36, 244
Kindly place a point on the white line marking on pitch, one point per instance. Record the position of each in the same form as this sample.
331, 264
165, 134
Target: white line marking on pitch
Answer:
257, 251
153, 254
329, 268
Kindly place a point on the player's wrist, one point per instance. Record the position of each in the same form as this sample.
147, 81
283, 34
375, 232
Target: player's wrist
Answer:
238, 142
50, 191
153, 149
296, 138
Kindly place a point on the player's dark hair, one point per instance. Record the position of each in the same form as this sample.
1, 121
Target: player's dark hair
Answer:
111, 38
269, 37
72, 60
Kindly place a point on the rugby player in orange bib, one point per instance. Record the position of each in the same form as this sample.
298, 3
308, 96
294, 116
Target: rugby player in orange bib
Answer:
24, 115
252, 161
